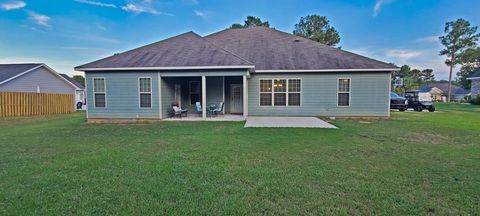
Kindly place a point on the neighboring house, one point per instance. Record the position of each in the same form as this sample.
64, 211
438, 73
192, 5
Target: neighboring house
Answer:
475, 78
37, 78
79, 91
256, 71
439, 90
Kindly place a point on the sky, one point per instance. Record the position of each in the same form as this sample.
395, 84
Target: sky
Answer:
67, 33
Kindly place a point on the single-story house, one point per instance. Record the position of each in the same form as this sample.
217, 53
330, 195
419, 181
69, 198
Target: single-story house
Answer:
475, 79
79, 92
33, 77
255, 71
439, 90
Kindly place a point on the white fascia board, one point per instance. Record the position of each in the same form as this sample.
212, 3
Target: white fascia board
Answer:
60, 76
21, 74
166, 68
329, 70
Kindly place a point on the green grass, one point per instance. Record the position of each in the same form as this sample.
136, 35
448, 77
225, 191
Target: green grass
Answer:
413, 163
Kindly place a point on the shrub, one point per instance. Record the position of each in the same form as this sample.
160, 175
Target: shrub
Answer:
476, 100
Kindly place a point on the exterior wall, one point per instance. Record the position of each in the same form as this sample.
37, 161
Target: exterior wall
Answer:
475, 87
39, 79
369, 95
122, 95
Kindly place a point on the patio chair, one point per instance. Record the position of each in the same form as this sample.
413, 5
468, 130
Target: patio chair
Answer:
219, 109
178, 112
198, 107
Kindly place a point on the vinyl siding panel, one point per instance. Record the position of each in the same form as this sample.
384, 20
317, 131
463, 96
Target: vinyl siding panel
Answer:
39, 78
369, 95
122, 95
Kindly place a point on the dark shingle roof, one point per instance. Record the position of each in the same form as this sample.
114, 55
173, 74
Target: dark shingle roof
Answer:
475, 75
185, 50
270, 49
444, 87
71, 80
8, 71
262, 47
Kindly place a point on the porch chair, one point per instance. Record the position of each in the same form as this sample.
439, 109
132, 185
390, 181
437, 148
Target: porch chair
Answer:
178, 112
219, 109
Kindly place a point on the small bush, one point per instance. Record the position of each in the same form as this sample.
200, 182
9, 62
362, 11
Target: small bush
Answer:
476, 100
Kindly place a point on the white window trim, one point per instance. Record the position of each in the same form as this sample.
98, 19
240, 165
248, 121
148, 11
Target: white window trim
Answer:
286, 92
190, 91
104, 91
349, 91
140, 93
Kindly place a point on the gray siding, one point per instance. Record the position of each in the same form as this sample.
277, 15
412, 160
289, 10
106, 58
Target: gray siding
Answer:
369, 95
39, 78
122, 95
475, 87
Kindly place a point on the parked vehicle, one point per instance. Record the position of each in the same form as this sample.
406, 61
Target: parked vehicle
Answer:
419, 101
397, 102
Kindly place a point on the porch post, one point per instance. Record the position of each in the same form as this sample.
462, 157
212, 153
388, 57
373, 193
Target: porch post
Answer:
204, 97
245, 97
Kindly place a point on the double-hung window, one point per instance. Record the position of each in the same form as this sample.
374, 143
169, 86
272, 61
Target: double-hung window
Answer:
99, 95
194, 92
145, 92
343, 93
280, 92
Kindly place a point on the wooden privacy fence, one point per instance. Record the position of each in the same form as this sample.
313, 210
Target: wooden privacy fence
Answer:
27, 104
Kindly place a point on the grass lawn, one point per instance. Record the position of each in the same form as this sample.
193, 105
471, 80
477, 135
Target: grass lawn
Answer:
413, 163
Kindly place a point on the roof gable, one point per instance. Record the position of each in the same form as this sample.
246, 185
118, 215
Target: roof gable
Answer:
10, 71
185, 50
71, 80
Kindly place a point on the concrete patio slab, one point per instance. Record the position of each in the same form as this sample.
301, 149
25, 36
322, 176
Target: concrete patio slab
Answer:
287, 122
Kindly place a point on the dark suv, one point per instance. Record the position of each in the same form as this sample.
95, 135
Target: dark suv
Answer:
397, 102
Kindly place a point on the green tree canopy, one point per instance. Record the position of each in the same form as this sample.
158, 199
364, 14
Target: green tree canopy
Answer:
251, 21
412, 78
79, 79
470, 61
317, 28
459, 37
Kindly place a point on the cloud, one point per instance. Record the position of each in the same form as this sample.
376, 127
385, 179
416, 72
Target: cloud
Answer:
40, 19
138, 9
200, 13
13, 5
100, 26
96, 3
402, 55
428, 39
378, 6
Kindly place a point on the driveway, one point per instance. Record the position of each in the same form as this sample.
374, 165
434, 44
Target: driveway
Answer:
287, 122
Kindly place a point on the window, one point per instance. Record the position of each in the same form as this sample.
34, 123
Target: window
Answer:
194, 92
145, 91
280, 92
343, 92
294, 87
265, 92
99, 92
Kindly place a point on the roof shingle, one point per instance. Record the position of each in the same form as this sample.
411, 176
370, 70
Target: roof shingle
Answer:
185, 50
8, 71
262, 47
